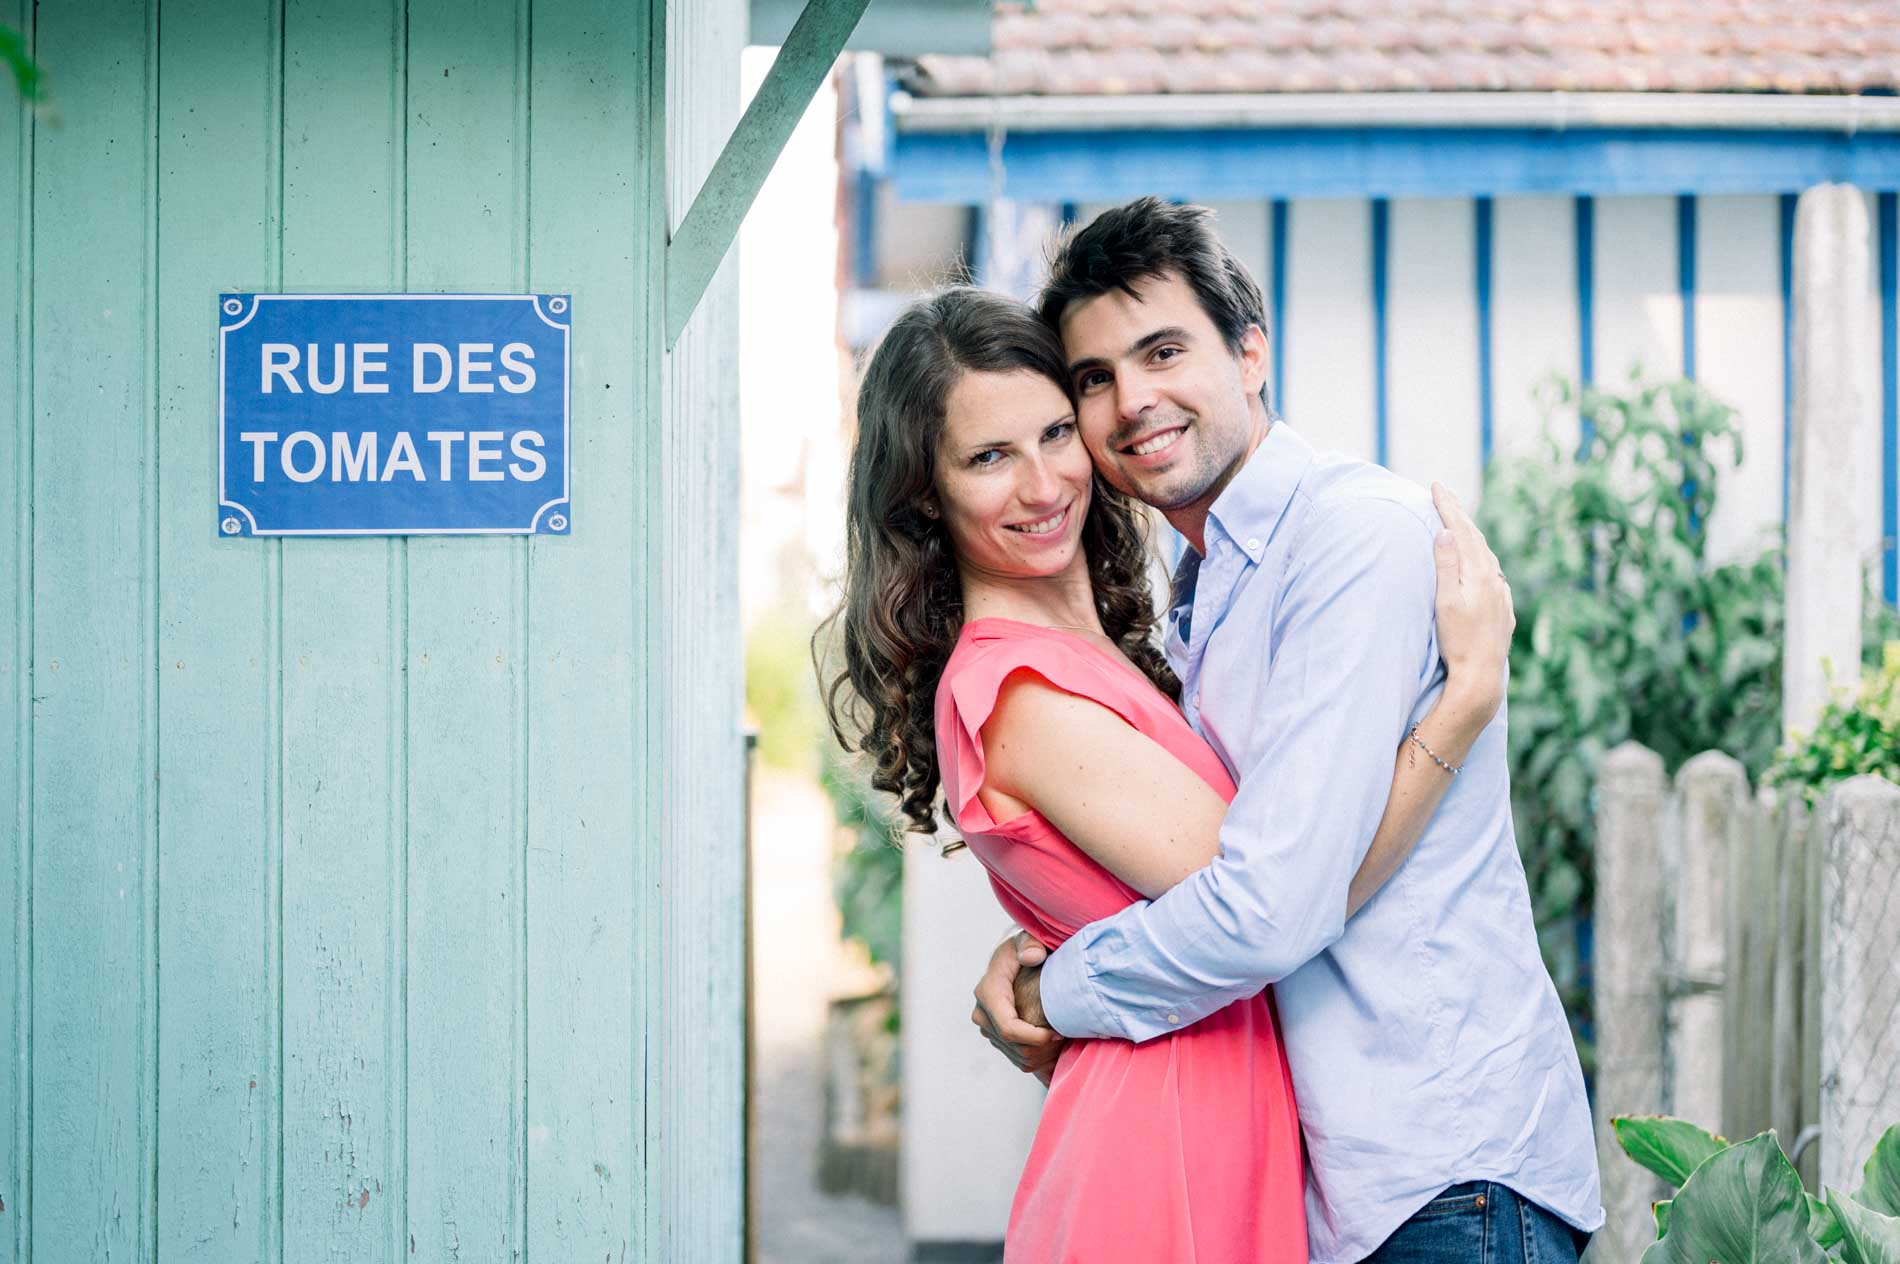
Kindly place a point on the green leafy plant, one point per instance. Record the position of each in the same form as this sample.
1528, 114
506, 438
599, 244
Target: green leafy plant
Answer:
780, 694
1858, 734
1746, 1202
868, 877
1625, 627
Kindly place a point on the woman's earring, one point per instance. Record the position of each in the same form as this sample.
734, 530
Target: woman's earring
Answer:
930, 510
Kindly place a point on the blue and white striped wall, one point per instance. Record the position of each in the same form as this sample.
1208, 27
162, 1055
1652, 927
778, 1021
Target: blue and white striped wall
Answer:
1414, 331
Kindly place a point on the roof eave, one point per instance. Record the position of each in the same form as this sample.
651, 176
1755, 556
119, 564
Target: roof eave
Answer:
1558, 111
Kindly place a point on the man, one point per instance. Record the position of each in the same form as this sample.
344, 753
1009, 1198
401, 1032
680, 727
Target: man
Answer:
1439, 1092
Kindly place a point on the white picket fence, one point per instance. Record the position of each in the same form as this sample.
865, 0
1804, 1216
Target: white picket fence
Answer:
1747, 972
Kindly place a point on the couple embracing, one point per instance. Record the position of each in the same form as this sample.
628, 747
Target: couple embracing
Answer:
1292, 1005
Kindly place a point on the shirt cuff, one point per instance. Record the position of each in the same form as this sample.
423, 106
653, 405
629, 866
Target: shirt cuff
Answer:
1069, 1001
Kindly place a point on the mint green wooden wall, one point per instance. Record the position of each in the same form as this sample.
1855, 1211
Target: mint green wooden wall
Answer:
365, 899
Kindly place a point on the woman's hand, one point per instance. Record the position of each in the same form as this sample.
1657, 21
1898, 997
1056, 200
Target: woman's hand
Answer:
1475, 615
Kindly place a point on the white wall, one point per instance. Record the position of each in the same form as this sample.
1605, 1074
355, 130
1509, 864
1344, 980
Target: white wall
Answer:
1432, 408
969, 1116
1327, 342
1534, 318
1738, 356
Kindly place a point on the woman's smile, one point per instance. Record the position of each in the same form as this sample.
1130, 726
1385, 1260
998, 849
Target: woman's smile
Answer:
1049, 524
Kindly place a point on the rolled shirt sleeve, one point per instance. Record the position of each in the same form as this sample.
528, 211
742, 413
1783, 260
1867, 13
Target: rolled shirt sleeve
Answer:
1348, 651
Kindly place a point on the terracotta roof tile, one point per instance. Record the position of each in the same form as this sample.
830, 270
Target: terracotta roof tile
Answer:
1092, 47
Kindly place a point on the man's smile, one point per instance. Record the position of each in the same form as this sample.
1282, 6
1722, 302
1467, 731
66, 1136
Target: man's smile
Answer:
1156, 447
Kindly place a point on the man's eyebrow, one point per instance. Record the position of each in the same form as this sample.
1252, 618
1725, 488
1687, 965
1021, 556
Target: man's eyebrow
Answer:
1173, 333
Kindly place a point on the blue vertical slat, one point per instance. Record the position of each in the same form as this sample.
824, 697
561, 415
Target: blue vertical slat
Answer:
863, 228
1276, 249
978, 235
1685, 277
1586, 304
1068, 214
1787, 348
1381, 241
1685, 290
1889, 399
1481, 220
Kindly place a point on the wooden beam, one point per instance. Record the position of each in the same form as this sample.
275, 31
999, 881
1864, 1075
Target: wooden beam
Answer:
711, 223
895, 28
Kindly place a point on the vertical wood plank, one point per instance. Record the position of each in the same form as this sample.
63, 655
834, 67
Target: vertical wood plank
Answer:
344, 687
701, 856
218, 1079
1712, 789
1790, 1001
1638, 303
90, 412
466, 168
1751, 1022
16, 639
1813, 864
1633, 829
1534, 326
1328, 340
592, 894
1432, 346
1738, 356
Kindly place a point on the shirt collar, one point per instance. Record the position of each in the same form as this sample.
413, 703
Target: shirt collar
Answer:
1251, 505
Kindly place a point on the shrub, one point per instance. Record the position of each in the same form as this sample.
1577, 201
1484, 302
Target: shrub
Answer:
1854, 735
1625, 630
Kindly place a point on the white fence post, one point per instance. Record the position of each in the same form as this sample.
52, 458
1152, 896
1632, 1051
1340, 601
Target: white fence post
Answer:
1793, 994
1715, 814
1860, 970
1629, 987
1835, 398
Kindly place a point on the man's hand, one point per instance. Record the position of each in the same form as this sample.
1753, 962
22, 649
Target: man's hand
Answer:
1009, 1006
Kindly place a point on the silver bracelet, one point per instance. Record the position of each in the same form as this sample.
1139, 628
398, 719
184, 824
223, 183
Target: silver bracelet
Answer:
1420, 743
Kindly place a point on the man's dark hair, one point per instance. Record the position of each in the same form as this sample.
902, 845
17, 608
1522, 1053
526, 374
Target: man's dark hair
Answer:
1144, 240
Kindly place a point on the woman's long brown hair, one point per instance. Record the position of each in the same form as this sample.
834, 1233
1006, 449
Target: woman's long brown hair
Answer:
903, 605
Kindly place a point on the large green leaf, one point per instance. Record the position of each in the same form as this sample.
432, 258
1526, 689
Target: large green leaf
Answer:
1881, 1192
1744, 1205
1671, 1148
1823, 1226
1867, 1237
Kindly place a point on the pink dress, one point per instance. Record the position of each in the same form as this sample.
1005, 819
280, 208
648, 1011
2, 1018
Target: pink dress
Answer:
1184, 1148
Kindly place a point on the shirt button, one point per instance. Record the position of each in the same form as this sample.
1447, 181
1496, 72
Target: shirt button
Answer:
1175, 1019
1253, 546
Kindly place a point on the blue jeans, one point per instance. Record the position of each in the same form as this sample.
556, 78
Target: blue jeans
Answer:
1481, 1222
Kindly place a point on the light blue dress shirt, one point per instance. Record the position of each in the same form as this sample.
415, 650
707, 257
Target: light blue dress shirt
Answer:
1426, 1040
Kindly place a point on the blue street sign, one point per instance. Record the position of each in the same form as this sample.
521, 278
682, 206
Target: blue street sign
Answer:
393, 414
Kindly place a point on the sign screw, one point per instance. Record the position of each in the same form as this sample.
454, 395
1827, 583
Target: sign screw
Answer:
557, 522
557, 305
232, 307
230, 526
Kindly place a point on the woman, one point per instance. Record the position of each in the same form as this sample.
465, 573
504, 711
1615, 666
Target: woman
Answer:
992, 577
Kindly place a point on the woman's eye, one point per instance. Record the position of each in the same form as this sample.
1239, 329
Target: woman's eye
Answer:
983, 457
1061, 430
